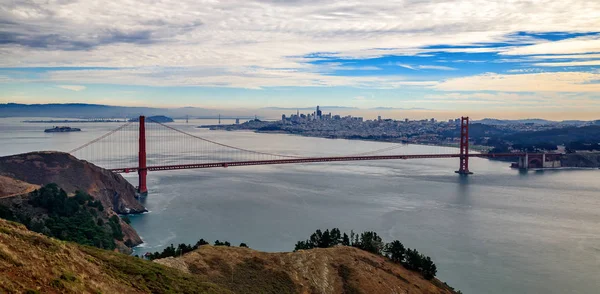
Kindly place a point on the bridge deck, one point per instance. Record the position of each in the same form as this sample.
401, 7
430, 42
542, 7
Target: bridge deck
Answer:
314, 159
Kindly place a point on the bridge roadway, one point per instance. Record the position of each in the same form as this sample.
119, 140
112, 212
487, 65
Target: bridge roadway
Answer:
316, 159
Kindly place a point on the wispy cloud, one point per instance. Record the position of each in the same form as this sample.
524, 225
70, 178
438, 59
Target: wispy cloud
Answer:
531, 82
406, 66
569, 63
75, 88
579, 45
570, 56
436, 67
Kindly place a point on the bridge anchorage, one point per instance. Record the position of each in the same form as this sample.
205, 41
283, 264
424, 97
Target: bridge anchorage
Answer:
130, 147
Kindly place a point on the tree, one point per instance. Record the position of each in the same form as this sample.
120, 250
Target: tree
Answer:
345, 240
243, 245
371, 242
219, 243
200, 243
395, 251
429, 269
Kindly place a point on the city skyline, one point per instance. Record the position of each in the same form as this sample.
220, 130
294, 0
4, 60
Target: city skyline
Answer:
446, 59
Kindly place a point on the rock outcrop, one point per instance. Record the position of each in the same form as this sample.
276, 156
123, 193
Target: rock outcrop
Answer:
71, 174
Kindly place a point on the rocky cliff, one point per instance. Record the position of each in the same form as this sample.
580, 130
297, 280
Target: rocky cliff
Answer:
71, 174
41, 168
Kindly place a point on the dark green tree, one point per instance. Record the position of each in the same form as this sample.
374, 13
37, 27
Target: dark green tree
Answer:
345, 240
395, 251
371, 242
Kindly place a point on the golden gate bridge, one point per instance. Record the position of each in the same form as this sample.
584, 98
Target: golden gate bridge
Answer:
147, 145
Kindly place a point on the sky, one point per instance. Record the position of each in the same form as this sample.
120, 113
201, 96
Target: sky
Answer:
505, 59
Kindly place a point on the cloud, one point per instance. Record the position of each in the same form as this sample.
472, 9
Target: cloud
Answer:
570, 63
249, 78
406, 66
438, 67
254, 44
570, 56
587, 44
75, 88
531, 82
363, 98
511, 99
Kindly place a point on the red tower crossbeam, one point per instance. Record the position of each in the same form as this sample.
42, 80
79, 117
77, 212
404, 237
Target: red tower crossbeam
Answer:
142, 169
464, 147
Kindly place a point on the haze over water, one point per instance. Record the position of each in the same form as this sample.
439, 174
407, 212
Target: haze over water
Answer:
497, 231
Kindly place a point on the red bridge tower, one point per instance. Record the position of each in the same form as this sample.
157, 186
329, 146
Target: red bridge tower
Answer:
464, 147
142, 168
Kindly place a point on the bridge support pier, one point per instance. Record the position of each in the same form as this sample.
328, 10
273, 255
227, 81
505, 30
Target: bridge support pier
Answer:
142, 168
463, 168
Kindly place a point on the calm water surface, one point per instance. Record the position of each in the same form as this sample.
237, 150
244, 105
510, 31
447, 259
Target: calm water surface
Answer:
497, 231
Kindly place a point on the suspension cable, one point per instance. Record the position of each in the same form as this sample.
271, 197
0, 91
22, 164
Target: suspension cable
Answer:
224, 145
99, 138
390, 148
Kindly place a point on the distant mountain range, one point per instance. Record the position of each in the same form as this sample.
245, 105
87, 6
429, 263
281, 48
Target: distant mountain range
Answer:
86, 111
82, 110
537, 121
397, 108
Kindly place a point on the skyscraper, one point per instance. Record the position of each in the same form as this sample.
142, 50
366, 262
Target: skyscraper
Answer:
319, 112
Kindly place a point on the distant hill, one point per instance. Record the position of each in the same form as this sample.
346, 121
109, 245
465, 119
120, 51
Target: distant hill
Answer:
398, 108
81, 110
493, 121
560, 136
156, 118
537, 121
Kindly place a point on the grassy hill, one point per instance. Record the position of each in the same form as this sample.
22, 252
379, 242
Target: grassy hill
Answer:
339, 269
33, 263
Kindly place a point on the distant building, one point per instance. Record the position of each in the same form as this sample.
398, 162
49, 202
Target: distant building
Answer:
319, 112
379, 118
237, 121
283, 117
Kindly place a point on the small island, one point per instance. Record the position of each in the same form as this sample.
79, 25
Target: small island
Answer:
62, 130
156, 118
